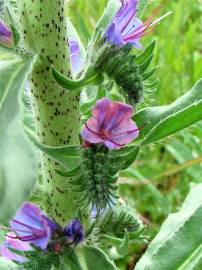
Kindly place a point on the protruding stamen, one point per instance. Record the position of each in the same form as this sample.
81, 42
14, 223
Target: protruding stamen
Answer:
161, 18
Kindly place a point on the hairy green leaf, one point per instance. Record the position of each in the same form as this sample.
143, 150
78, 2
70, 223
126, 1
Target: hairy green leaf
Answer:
162, 121
178, 244
18, 164
18, 168
13, 74
93, 77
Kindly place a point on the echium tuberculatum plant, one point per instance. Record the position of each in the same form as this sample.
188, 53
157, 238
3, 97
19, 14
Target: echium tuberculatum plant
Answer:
82, 119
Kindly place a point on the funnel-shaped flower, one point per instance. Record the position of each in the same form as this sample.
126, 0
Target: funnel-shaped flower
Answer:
126, 28
11, 242
32, 226
74, 232
6, 35
111, 124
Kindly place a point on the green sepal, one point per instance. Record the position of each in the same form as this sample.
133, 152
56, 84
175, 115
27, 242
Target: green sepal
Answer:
121, 244
143, 66
152, 85
146, 53
69, 156
122, 249
93, 77
139, 234
147, 75
124, 157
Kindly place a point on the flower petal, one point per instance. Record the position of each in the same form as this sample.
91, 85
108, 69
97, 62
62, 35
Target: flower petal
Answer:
111, 124
32, 225
77, 61
122, 24
114, 36
15, 244
124, 135
29, 214
74, 231
110, 114
126, 13
90, 131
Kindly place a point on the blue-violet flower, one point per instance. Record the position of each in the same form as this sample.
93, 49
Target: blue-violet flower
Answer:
74, 232
31, 225
127, 28
76, 59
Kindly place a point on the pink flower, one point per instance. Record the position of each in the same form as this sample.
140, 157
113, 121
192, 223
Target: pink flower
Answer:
12, 242
111, 124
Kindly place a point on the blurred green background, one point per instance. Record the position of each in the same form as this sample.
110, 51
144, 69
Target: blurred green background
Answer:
160, 179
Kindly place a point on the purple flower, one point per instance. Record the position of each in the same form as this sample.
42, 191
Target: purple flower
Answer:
111, 124
77, 61
32, 226
95, 212
74, 232
12, 242
126, 28
6, 35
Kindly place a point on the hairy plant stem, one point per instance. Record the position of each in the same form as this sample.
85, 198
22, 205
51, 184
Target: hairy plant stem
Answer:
56, 111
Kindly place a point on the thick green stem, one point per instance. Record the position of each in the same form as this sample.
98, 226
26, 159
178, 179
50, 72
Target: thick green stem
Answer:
56, 111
